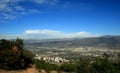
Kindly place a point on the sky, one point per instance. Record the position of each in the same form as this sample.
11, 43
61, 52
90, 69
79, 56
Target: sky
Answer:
42, 19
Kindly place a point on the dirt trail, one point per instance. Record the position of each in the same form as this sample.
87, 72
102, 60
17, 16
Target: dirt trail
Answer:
28, 70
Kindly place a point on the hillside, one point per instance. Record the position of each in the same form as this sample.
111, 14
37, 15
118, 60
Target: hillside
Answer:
112, 42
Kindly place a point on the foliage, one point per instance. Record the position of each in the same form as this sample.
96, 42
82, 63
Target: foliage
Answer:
104, 66
98, 65
48, 67
68, 67
13, 56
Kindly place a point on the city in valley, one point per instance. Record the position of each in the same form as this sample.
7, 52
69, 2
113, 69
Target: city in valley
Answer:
58, 51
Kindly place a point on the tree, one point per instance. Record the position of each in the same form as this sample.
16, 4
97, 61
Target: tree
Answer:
19, 43
103, 66
13, 56
5, 44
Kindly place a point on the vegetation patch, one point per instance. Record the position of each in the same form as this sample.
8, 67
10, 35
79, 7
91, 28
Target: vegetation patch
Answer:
13, 56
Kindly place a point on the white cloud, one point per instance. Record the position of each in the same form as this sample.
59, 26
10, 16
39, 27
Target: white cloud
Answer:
19, 8
31, 11
50, 2
45, 33
58, 34
11, 9
39, 1
41, 32
82, 34
48, 34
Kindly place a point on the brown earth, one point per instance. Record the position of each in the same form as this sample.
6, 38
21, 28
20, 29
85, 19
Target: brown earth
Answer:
29, 70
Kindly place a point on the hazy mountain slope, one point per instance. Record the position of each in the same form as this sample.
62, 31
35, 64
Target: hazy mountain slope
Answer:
104, 41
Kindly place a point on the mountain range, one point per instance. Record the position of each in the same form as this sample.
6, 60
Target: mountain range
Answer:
107, 41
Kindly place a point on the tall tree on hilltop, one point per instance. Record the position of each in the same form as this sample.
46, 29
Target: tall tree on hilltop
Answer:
19, 43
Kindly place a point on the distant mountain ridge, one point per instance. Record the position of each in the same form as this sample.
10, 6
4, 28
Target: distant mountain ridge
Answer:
107, 41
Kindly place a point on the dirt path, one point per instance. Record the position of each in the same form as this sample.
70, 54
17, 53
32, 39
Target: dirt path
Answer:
28, 70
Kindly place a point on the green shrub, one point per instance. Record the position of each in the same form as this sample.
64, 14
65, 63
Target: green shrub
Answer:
14, 60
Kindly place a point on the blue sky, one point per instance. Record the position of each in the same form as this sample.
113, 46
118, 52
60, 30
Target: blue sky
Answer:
59, 18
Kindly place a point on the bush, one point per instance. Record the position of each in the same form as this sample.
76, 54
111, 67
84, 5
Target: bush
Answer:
98, 65
103, 66
13, 56
44, 65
